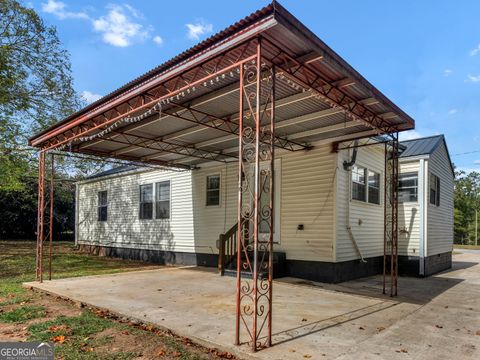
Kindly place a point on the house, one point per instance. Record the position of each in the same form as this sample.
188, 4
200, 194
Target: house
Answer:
267, 134
425, 206
329, 219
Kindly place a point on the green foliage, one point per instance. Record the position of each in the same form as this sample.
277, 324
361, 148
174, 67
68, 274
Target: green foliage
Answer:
36, 88
22, 314
466, 201
19, 210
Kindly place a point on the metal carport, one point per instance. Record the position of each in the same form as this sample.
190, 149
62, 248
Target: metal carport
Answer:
266, 84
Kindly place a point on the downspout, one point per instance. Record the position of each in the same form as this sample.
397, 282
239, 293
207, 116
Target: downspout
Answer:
422, 201
347, 166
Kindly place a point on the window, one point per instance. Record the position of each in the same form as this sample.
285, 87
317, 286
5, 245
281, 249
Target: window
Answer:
213, 190
434, 190
102, 205
373, 187
162, 200
146, 201
358, 183
365, 185
408, 187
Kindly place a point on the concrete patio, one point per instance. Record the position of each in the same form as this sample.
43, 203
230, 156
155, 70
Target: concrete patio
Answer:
433, 318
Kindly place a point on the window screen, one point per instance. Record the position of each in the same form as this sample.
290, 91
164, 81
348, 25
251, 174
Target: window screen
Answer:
213, 190
162, 200
408, 187
146, 201
434, 190
373, 187
102, 205
358, 183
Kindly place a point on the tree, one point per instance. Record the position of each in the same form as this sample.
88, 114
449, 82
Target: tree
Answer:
466, 202
36, 87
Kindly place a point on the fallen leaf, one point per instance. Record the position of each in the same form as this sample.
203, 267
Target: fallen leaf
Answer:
361, 328
477, 333
304, 319
177, 354
307, 356
161, 352
380, 328
292, 350
60, 339
439, 326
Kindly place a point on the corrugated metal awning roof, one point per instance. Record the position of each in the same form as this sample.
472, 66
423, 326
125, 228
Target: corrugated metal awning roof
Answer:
301, 117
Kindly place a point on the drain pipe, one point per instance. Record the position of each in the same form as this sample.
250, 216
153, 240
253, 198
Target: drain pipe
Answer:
347, 166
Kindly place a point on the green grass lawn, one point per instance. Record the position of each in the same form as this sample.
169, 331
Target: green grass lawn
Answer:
78, 333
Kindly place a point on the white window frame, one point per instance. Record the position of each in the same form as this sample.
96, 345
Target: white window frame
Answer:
219, 175
169, 200
140, 202
99, 206
410, 173
366, 173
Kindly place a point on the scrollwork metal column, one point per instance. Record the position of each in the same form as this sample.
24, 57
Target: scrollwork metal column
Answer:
40, 215
255, 204
390, 255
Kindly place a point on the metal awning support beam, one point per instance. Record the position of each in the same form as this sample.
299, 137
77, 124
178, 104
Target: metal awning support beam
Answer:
328, 91
228, 126
147, 101
166, 147
200, 128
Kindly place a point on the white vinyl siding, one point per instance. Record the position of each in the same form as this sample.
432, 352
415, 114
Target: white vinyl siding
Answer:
409, 216
313, 192
366, 219
123, 227
440, 218
306, 197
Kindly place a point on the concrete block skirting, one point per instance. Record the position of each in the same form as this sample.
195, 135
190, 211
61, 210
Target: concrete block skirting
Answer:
334, 272
437, 263
410, 265
153, 256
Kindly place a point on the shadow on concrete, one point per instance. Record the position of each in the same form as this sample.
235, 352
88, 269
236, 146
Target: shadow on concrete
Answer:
324, 324
410, 290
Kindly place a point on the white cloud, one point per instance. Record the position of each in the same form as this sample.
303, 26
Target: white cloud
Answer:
475, 51
409, 135
447, 72
196, 30
117, 27
157, 40
59, 9
90, 97
452, 111
477, 162
473, 78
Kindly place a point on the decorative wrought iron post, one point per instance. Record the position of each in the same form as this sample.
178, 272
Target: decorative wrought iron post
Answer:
50, 234
40, 215
390, 253
255, 203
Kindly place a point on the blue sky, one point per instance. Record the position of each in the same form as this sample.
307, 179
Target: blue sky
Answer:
424, 55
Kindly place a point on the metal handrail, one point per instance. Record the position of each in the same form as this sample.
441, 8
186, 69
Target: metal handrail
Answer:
227, 248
